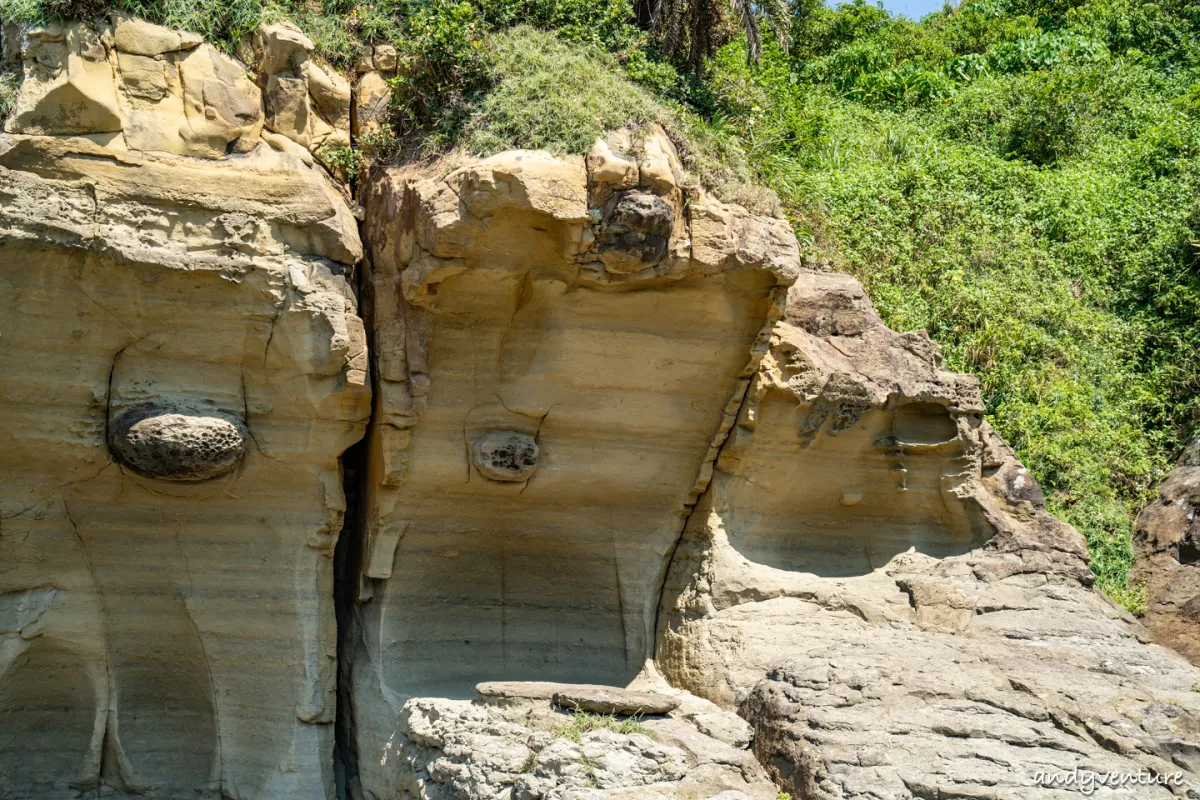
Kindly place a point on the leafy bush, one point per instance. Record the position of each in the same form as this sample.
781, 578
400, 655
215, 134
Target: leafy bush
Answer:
1036, 213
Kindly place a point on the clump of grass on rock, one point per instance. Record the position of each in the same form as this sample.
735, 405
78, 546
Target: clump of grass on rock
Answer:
549, 94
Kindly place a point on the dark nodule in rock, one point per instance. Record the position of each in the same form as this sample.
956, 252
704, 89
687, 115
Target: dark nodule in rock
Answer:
505, 455
637, 233
177, 443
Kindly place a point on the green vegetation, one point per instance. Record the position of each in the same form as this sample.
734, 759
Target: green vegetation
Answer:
1132, 596
583, 721
8, 92
549, 95
1018, 177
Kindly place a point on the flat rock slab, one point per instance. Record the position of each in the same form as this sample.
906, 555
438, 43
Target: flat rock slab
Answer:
583, 696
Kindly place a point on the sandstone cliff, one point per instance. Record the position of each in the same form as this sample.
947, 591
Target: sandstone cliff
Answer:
184, 366
570, 421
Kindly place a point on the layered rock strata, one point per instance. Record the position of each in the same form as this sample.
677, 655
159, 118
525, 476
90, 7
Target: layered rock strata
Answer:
925, 628
594, 332
183, 367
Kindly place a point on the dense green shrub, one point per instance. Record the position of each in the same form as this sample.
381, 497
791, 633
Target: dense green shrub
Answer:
1038, 214
550, 95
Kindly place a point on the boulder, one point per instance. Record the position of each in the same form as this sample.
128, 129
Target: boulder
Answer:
177, 443
505, 455
68, 85
223, 107
141, 38
637, 233
385, 58
613, 700
372, 97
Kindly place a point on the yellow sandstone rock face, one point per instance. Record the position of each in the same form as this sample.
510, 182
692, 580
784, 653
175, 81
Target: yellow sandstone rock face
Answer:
184, 365
539, 301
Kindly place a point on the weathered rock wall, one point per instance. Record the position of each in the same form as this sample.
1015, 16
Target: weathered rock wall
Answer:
183, 367
617, 435
1167, 538
586, 318
924, 627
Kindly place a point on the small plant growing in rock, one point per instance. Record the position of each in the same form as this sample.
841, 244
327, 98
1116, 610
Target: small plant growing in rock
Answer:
583, 721
8, 92
345, 162
1131, 597
589, 771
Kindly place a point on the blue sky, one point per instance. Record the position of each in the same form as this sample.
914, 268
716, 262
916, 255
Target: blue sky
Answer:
913, 8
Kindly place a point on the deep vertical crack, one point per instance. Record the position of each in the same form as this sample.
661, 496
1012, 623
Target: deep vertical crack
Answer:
347, 566
348, 556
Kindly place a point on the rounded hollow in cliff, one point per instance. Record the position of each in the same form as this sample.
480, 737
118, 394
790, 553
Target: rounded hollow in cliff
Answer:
176, 443
505, 455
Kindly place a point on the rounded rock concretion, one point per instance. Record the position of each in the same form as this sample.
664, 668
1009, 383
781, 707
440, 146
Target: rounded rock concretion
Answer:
177, 444
505, 455
637, 234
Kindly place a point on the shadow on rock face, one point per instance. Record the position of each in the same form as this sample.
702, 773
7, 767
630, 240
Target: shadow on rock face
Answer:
176, 442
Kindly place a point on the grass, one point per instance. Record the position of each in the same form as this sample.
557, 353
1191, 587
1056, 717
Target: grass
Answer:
8, 93
583, 721
551, 95
1132, 597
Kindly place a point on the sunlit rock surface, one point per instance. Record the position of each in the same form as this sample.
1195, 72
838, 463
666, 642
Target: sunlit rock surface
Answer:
625, 452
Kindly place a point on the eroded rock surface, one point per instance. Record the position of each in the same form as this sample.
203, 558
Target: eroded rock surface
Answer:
1167, 537
925, 628
177, 443
524, 748
183, 365
499, 306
